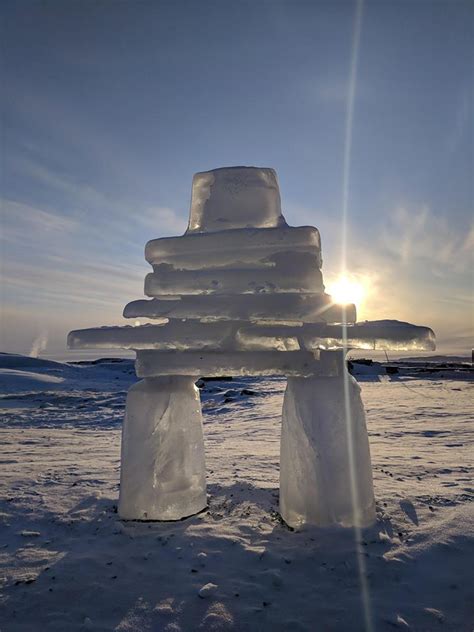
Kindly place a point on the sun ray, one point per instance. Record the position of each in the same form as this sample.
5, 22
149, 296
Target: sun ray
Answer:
346, 290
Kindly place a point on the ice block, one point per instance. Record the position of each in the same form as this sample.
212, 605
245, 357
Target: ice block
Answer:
275, 308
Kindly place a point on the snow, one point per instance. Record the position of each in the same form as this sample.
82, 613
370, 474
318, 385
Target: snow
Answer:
27, 379
207, 590
69, 563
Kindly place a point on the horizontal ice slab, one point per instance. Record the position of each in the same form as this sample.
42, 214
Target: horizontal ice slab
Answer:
196, 251
214, 363
286, 307
298, 273
176, 334
235, 197
377, 335
238, 336
389, 335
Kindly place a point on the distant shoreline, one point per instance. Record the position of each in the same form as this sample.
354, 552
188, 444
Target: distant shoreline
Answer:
377, 356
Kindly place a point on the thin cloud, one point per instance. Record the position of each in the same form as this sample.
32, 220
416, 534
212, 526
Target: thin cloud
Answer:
82, 194
88, 282
162, 221
413, 235
20, 219
461, 121
111, 214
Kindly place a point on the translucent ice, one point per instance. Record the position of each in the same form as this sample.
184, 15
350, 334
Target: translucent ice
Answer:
151, 363
176, 334
228, 335
234, 198
229, 248
295, 274
241, 293
281, 308
325, 468
376, 335
163, 475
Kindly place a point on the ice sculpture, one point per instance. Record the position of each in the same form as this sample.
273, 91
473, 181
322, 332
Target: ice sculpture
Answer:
241, 293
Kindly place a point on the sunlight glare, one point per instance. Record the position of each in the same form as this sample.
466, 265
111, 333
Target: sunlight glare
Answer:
346, 290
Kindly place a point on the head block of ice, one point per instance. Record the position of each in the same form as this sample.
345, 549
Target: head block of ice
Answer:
235, 197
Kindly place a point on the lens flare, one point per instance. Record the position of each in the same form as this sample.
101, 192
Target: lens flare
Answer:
349, 291
346, 290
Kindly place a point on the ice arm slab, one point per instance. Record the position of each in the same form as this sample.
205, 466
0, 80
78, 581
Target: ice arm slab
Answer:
380, 335
390, 335
235, 336
177, 335
286, 307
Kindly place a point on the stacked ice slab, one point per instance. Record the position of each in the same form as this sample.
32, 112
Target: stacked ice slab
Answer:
241, 293
238, 289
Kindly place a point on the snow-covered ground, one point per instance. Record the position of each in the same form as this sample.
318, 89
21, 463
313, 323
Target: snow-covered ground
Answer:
68, 563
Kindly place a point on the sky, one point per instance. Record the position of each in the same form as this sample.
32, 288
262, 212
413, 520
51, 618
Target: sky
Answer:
110, 107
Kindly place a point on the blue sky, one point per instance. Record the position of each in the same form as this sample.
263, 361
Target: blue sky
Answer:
108, 109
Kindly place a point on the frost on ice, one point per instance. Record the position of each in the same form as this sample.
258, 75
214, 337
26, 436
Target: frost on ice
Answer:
315, 477
163, 471
241, 293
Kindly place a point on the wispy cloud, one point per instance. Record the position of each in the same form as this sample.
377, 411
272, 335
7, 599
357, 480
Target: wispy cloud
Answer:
162, 221
83, 194
413, 235
21, 221
87, 282
462, 119
113, 214
400, 262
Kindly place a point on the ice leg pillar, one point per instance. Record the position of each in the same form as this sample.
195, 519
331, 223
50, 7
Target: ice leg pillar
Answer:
325, 468
163, 473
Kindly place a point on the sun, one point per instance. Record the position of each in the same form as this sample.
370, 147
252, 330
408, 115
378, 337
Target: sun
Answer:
346, 290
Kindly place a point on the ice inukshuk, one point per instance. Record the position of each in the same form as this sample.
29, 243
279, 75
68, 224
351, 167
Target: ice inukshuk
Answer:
241, 293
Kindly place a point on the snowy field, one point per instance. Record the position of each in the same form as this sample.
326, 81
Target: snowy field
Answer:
68, 563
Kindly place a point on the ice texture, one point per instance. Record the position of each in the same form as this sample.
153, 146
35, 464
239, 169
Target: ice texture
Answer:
163, 474
233, 248
227, 335
235, 197
325, 467
297, 273
376, 335
216, 363
264, 308
177, 334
